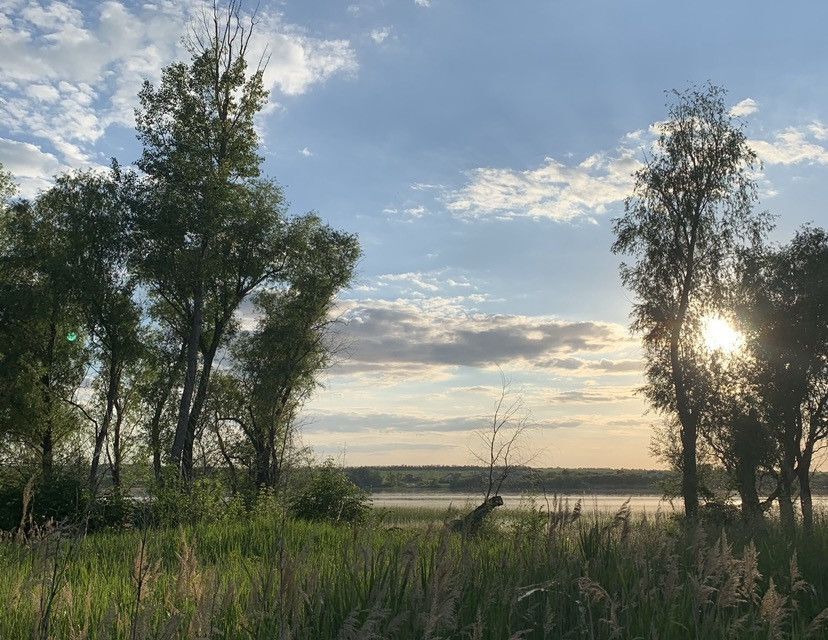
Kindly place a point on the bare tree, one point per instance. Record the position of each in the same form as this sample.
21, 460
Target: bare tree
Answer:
500, 452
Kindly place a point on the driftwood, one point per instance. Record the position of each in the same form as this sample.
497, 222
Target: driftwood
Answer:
470, 524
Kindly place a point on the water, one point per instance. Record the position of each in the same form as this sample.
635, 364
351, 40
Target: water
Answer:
589, 502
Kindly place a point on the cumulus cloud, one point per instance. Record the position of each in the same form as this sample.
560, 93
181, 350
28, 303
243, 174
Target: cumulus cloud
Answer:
380, 35
582, 367
744, 108
354, 422
592, 395
793, 146
306, 152
554, 190
68, 75
422, 3
818, 130
440, 332
30, 166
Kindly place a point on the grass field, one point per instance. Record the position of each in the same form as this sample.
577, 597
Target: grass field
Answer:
401, 575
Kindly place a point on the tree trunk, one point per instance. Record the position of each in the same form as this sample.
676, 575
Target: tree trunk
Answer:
165, 388
806, 502
47, 454
111, 395
786, 511
747, 451
117, 450
183, 423
198, 405
689, 433
262, 464
746, 483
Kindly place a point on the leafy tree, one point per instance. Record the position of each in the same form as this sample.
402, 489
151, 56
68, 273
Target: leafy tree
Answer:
95, 217
276, 365
42, 347
786, 311
160, 369
691, 208
8, 188
209, 231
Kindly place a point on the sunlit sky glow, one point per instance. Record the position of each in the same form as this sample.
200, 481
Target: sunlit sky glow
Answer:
480, 149
720, 335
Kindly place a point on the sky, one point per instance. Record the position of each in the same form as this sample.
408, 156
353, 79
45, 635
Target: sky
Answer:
480, 149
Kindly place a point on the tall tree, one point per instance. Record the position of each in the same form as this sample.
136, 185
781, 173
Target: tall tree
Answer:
276, 366
786, 312
691, 208
209, 231
43, 352
97, 245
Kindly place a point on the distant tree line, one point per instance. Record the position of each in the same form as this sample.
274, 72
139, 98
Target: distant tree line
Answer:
697, 249
174, 312
537, 481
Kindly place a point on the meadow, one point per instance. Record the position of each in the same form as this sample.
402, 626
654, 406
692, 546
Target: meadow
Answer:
535, 573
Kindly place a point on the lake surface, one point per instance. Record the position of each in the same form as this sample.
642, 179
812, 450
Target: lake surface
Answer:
589, 502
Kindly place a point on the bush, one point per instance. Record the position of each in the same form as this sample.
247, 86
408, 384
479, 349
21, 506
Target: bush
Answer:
328, 494
111, 511
63, 499
171, 504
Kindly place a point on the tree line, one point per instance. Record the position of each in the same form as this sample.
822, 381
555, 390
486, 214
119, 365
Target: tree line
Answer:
696, 248
173, 311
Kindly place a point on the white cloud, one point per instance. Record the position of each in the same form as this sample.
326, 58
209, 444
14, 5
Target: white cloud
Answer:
30, 166
306, 152
42, 92
818, 130
68, 75
422, 3
554, 190
792, 146
380, 35
433, 333
744, 108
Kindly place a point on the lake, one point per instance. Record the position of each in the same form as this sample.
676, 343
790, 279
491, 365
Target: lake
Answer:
589, 502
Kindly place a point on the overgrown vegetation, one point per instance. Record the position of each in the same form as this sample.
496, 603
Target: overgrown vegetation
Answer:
550, 573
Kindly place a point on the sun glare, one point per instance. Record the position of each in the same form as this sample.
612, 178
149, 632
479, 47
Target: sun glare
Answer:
719, 335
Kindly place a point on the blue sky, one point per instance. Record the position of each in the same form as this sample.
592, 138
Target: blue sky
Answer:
480, 149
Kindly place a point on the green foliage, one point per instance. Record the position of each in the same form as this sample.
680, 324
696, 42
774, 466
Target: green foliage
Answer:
328, 494
595, 577
62, 499
173, 502
690, 213
7, 187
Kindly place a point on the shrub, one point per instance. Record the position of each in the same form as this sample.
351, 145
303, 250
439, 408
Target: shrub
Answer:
328, 494
171, 503
63, 499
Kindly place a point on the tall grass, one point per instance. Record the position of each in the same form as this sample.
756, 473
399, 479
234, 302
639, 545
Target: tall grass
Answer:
555, 573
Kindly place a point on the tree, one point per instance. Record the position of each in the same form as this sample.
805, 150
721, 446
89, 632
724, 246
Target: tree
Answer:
786, 311
95, 216
690, 210
209, 231
499, 452
160, 370
276, 366
8, 189
43, 352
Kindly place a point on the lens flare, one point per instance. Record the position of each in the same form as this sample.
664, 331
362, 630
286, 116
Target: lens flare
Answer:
71, 336
719, 335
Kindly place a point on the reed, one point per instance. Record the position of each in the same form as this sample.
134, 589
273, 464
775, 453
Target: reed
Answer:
551, 572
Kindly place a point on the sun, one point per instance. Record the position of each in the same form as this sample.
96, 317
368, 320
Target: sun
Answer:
719, 335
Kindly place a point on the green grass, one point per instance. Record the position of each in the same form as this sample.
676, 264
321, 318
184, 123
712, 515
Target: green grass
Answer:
402, 576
